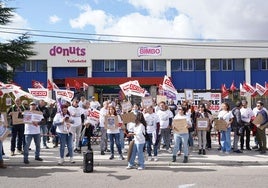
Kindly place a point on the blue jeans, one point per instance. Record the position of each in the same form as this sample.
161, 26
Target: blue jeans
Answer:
226, 140
43, 129
1, 147
115, 138
66, 139
122, 139
137, 150
149, 143
178, 139
28, 140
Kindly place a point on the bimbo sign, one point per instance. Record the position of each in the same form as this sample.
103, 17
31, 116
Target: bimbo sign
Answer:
150, 51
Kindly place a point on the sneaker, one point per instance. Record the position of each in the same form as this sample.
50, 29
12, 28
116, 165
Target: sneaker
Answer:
61, 161
140, 168
238, 151
12, 153
102, 153
26, 161
150, 158
5, 157
111, 157
72, 160
121, 157
67, 155
155, 159
38, 159
45, 147
130, 167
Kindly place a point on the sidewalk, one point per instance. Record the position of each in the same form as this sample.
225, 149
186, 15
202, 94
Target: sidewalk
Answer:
212, 158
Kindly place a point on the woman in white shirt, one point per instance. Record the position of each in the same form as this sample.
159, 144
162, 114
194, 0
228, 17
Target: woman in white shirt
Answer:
226, 115
63, 121
139, 142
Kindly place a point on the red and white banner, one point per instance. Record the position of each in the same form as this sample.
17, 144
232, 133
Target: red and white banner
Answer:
250, 89
66, 95
224, 91
167, 85
93, 117
51, 85
132, 88
40, 93
260, 89
243, 92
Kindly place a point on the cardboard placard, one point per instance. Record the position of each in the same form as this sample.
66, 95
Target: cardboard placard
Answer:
258, 119
128, 117
32, 116
220, 125
189, 94
202, 124
147, 101
111, 122
17, 118
126, 106
4, 132
160, 98
180, 126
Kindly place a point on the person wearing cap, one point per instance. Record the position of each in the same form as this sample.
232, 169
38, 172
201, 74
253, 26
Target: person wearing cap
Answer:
260, 134
32, 131
94, 104
246, 116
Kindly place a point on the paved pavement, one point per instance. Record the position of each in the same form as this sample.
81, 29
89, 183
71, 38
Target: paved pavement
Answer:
213, 157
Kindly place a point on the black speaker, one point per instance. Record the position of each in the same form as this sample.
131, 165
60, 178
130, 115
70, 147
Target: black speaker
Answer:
88, 162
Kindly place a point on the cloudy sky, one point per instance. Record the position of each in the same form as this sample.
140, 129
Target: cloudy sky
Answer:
173, 20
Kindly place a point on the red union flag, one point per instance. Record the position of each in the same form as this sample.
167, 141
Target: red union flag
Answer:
167, 85
260, 89
224, 91
249, 88
135, 89
39, 92
37, 84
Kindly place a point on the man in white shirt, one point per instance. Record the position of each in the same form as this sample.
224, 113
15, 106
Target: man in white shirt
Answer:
94, 104
103, 113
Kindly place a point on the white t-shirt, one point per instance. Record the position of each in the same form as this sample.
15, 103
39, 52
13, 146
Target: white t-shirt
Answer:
139, 131
76, 113
164, 118
31, 129
151, 120
246, 114
226, 116
103, 113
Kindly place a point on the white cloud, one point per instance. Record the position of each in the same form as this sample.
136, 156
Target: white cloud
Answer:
54, 19
16, 22
229, 19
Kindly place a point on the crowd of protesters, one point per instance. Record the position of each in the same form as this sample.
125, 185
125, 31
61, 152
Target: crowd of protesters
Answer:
153, 130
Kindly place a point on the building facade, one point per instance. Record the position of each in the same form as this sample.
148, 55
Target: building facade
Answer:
103, 66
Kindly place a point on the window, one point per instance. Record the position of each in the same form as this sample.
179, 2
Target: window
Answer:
254, 64
20, 68
97, 65
136, 65
109, 66
121, 66
215, 64
200, 64
160, 65
227, 64
42, 66
264, 64
30, 66
148, 65
239, 64
176, 65
82, 71
187, 65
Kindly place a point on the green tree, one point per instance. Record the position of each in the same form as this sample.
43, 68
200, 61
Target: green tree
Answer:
15, 52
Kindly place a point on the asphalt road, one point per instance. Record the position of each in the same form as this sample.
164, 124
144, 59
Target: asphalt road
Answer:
158, 177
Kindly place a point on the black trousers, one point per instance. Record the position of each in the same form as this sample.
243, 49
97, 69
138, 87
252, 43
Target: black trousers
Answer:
246, 131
